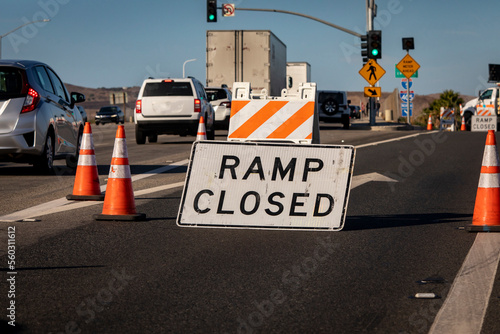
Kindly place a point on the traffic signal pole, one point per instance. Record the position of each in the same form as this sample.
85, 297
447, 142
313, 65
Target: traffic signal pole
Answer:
370, 5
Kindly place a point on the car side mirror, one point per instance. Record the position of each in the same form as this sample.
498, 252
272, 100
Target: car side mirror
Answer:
76, 98
348, 101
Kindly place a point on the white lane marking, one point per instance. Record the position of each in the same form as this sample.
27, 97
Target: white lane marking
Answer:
365, 178
392, 139
62, 204
464, 309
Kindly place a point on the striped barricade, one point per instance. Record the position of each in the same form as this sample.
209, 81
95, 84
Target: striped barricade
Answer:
485, 110
258, 117
447, 119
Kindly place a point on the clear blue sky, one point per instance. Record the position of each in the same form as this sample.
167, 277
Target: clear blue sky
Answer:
112, 43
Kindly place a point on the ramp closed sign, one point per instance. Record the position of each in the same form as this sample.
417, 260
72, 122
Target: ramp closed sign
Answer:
267, 185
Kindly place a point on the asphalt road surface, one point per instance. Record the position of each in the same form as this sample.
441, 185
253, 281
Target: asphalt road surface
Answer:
77, 275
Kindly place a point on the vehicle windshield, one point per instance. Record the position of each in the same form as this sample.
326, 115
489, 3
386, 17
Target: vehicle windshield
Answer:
486, 94
11, 83
108, 110
218, 94
337, 97
168, 89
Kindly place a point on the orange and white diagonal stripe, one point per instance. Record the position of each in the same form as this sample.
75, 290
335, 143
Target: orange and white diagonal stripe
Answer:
271, 120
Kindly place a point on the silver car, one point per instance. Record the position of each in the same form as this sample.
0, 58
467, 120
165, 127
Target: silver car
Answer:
39, 121
220, 99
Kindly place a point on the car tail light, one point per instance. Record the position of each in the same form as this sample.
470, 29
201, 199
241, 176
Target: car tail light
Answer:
138, 106
168, 80
197, 105
32, 99
226, 104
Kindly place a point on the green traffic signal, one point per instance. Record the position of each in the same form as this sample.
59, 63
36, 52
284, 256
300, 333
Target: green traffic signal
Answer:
374, 46
211, 10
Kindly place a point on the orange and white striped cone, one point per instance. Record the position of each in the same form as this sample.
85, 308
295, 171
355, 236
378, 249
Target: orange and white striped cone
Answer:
463, 127
86, 186
429, 123
486, 216
202, 131
119, 203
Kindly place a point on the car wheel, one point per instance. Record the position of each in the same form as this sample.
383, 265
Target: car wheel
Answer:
45, 162
153, 138
96, 123
330, 107
346, 122
140, 136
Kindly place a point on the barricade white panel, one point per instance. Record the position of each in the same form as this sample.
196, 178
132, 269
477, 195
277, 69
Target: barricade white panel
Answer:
258, 117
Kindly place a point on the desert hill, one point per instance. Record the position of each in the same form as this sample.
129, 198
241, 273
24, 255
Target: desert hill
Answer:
99, 97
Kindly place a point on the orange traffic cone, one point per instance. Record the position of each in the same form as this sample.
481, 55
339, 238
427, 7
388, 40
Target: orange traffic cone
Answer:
86, 187
429, 123
463, 127
202, 132
119, 203
486, 216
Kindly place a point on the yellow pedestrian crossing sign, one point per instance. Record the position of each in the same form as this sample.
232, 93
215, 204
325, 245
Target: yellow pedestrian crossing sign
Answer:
372, 72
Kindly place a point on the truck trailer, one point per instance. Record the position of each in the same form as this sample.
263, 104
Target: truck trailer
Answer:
296, 73
255, 56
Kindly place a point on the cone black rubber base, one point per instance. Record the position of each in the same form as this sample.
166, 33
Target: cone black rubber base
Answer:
132, 217
85, 198
482, 228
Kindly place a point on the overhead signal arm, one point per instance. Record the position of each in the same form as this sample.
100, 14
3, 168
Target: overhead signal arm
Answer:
306, 16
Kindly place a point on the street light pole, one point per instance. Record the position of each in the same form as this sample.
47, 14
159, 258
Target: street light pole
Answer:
184, 67
10, 32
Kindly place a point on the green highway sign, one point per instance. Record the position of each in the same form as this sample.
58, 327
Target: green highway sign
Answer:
401, 75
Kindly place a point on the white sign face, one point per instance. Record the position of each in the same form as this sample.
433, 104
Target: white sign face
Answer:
483, 123
267, 185
228, 9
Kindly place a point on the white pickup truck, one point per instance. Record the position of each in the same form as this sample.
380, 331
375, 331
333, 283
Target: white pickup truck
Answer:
487, 104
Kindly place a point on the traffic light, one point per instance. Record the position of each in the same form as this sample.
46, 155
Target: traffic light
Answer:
211, 10
364, 50
494, 71
408, 43
375, 44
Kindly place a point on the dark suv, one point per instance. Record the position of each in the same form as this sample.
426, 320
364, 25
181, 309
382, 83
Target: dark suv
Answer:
110, 114
39, 121
334, 107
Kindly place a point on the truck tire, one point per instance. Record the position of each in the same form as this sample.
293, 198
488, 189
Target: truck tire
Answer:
140, 136
468, 120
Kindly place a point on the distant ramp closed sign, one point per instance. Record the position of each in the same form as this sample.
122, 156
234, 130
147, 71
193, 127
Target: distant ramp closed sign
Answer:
267, 185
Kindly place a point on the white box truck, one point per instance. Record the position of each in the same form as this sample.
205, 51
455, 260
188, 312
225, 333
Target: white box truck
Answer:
296, 73
486, 104
255, 56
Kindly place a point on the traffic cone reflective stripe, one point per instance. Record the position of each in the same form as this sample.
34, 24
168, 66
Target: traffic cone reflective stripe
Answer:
487, 206
202, 132
119, 202
429, 123
86, 186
